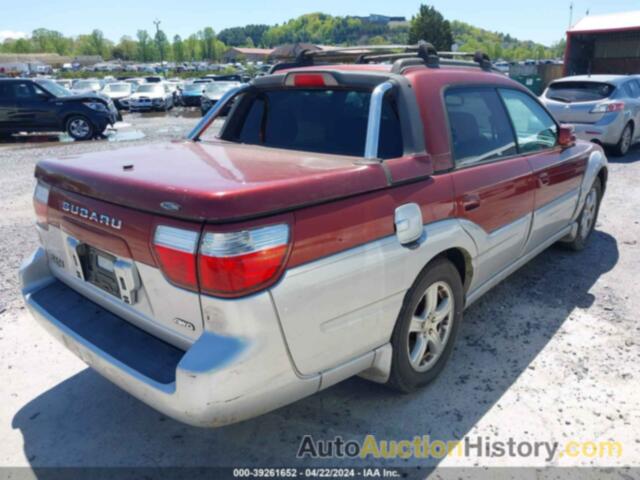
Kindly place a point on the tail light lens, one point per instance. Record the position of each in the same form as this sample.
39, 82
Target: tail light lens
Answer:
228, 264
236, 263
41, 203
608, 107
176, 251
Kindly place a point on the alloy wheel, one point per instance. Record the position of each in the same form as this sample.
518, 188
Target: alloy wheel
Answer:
79, 128
430, 326
589, 212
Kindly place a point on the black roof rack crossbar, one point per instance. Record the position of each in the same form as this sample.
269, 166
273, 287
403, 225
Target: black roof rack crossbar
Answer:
402, 56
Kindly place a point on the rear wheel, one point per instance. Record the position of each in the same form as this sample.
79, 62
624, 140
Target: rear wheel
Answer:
622, 147
80, 128
427, 326
588, 217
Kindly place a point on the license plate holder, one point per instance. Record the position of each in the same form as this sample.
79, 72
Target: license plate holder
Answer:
98, 268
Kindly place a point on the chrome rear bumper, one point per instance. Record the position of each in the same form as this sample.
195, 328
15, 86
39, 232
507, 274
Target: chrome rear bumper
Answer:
217, 381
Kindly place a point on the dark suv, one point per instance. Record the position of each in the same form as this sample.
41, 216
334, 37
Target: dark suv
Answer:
44, 106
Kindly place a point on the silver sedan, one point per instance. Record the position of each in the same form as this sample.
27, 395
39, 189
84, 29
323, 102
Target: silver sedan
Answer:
604, 109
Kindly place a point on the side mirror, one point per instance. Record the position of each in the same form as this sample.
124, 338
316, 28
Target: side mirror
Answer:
566, 137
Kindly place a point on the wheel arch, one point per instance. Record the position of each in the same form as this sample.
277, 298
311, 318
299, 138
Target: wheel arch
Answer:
603, 175
461, 259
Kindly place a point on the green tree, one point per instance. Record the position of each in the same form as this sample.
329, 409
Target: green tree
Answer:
125, 49
208, 42
51, 41
192, 47
162, 44
145, 51
178, 49
430, 25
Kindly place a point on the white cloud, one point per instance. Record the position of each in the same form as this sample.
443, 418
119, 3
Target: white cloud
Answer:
4, 34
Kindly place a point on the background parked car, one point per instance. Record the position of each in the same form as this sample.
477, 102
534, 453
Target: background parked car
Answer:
603, 108
44, 106
84, 86
192, 94
151, 96
65, 83
214, 92
119, 92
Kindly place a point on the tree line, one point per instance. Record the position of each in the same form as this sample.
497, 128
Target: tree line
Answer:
315, 28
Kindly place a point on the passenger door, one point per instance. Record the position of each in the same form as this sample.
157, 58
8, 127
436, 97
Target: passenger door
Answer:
35, 110
493, 186
558, 171
7, 105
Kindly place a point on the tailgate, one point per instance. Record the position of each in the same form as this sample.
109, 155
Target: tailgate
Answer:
104, 251
576, 112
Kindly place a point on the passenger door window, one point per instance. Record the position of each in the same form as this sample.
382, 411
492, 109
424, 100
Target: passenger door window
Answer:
534, 127
479, 126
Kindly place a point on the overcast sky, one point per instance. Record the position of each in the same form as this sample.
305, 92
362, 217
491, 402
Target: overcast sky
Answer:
543, 21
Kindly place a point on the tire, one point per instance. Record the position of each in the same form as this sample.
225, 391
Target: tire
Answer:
416, 360
80, 127
588, 217
622, 147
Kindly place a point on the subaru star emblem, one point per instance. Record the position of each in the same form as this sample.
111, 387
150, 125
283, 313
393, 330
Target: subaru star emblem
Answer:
171, 206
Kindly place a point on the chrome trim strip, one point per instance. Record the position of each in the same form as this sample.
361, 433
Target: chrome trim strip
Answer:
373, 123
212, 114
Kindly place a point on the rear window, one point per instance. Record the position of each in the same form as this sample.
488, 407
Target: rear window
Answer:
330, 121
579, 91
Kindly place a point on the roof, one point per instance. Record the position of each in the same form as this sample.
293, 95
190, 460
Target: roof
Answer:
50, 58
594, 78
251, 51
610, 22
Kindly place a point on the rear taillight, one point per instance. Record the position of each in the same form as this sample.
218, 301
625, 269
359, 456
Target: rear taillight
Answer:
608, 107
236, 263
227, 264
40, 204
176, 252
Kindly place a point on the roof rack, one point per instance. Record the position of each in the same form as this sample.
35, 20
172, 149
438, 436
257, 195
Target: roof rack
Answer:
402, 56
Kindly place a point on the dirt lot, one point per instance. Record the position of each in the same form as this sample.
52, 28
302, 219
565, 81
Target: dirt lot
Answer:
551, 354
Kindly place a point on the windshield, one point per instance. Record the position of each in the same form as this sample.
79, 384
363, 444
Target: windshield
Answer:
219, 88
150, 88
87, 85
118, 88
193, 87
579, 91
325, 121
54, 88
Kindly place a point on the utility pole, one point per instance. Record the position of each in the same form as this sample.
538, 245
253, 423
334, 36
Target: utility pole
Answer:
570, 14
157, 22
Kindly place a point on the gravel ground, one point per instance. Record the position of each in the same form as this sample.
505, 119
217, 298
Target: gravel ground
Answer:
551, 354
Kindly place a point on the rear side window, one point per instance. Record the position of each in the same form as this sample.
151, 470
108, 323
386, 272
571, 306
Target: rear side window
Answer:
535, 129
480, 128
579, 91
323, 121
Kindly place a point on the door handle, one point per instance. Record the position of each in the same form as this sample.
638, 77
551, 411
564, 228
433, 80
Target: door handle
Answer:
544, 179
470, 202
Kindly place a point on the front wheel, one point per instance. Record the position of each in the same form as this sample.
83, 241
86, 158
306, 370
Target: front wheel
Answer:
427, 325
80, 128
588, 217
